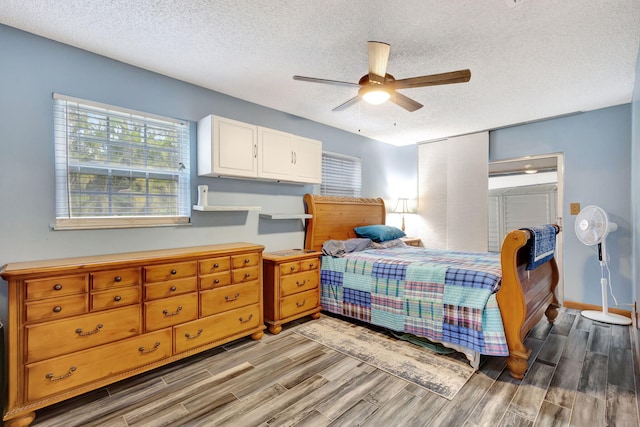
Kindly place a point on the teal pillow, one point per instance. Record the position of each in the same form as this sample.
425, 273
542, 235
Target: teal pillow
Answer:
379, 233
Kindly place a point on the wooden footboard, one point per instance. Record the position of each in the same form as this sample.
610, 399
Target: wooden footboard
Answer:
524, 297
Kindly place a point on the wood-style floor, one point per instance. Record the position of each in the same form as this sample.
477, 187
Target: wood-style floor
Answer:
582, 375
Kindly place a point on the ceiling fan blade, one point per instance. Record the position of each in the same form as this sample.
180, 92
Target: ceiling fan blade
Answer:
460, 76
405, 102
315, 80
378, 58
347, 104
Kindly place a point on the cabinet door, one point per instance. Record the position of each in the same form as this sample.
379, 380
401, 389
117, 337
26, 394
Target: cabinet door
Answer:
307, 160
275, 154
227, 147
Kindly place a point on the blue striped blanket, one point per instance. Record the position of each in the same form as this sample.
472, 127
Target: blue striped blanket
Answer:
444, 296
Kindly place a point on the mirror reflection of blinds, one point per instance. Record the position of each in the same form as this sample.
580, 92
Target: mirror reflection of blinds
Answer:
113, 162
341, 175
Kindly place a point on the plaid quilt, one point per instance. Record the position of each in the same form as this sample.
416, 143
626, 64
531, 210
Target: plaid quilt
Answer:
440, 295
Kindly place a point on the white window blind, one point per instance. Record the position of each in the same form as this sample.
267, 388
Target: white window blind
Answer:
119, 168
341, 175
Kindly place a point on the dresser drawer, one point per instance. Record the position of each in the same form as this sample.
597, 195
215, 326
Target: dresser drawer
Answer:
215, 280
214, 265
56, 308
56, 286
113, 298
294, 283
228, 298
208, 329
65, 372
246, 274
170, 311
168, 289
81, 332
298, 303
158, 273
246, 260
297, 266
115, 278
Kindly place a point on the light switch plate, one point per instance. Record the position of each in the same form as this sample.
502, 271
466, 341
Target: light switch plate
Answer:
574, 208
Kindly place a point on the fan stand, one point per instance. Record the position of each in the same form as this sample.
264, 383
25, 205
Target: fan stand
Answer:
604, 315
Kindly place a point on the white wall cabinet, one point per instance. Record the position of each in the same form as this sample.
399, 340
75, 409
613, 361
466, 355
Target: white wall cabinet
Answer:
235, 149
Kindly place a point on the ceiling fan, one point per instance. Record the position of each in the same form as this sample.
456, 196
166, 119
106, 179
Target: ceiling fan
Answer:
379, 86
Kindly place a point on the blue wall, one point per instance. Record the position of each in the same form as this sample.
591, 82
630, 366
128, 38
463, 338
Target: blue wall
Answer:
635, 184
597, 171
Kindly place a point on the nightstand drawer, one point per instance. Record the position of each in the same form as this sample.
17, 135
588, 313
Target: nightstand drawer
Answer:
299, 303
294, 283
297, 266
228, 298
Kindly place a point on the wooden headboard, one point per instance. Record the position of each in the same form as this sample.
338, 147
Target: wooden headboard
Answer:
335, 217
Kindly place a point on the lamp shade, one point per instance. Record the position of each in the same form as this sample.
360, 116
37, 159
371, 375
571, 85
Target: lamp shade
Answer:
374, 94
403, 206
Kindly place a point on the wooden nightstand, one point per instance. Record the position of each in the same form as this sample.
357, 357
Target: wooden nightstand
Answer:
412, 241
291, 286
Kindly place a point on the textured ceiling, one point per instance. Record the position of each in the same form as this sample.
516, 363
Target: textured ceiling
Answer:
529, 59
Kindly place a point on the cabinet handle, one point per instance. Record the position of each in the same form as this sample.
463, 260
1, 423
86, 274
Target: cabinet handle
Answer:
293, 267
118, 279
174, 272
245, 321
95, 331
216, 265
191, 337
304, 282
167, 314
255, 151
227, 299
152, 349
215, 282
173, 289
247, 260
247, 275
57, 287
300, 304
295, 158
57, 309
117, 298
50, 376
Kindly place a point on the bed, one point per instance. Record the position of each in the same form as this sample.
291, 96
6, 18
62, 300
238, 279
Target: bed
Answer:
516, 302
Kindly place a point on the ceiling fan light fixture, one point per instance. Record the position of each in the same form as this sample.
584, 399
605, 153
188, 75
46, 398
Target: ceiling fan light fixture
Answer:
374, 94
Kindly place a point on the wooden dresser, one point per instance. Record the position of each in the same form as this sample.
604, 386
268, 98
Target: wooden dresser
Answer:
78, 324
291, 286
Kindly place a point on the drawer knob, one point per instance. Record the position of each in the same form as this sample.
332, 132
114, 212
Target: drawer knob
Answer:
57, 287
215, 282
191, 337
57, 309
174, 272
167, 314
293, 267
304, 282
118, 279
117, 298
173, 289
216, 265
152, 349
247, 320
51, 377
247, 260
84, 334
300, 304
233, 298
247, 275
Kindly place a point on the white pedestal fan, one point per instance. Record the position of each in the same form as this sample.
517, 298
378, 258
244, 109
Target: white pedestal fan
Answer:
592, 227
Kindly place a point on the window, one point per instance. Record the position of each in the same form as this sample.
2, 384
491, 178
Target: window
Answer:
118, 168
341, 175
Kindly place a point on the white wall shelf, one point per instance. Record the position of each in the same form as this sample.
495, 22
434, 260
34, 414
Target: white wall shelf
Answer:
285, 216
225, 208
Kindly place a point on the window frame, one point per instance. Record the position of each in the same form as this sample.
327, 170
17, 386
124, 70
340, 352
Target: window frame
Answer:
64, 167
